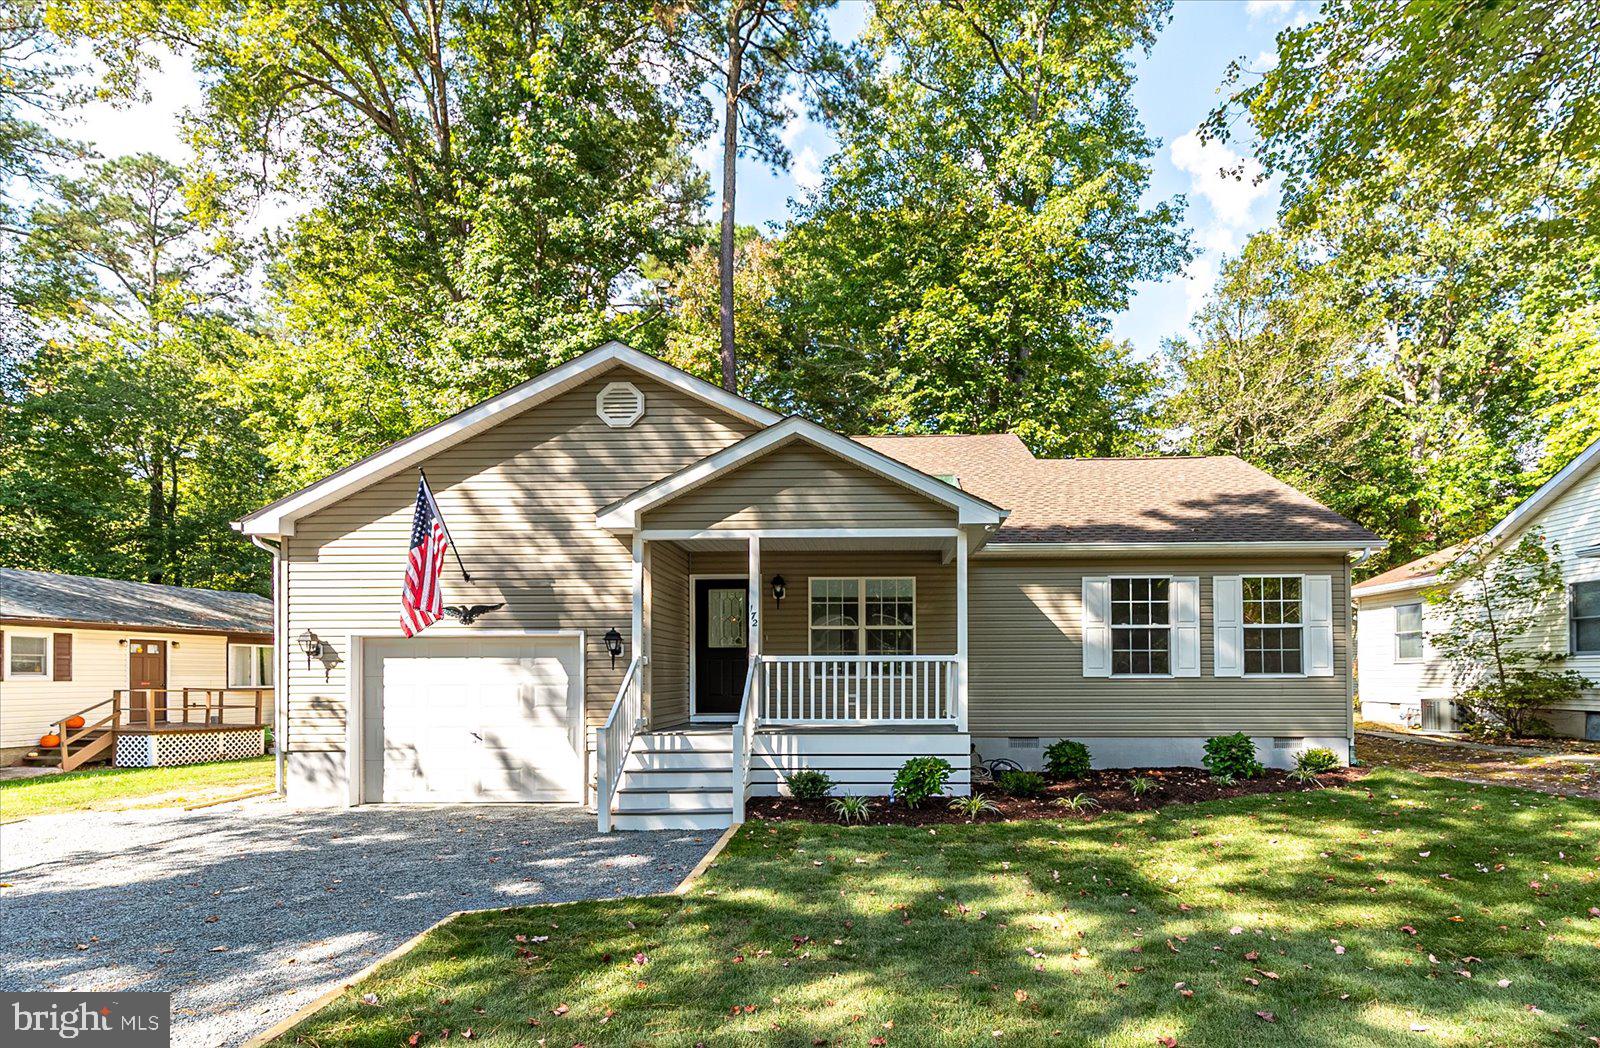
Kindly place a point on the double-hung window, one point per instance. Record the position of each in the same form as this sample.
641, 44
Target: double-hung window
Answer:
1141, 627
864, 616
1586, 618
1408, 633
1274, 630
249, 665
28, 657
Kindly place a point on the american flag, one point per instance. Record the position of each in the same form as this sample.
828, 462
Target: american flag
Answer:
421, 601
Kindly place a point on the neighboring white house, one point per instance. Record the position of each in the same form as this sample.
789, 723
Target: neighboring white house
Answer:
1399, 677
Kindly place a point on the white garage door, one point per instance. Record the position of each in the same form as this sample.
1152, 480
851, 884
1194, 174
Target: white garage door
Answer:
492, 719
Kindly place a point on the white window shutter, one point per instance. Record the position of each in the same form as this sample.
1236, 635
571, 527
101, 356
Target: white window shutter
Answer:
1227, 623
1318, 608
1096, 626
1186, 626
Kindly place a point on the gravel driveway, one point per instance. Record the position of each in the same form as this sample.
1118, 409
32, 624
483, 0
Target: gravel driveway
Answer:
248, 911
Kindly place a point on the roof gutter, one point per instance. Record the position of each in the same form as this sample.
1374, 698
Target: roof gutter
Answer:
1070, 549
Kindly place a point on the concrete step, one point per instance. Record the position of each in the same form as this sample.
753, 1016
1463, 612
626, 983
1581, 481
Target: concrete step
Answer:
708, 819
678, 778
693, 799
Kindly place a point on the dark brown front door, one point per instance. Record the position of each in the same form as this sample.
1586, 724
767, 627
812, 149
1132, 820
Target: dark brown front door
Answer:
147, 670
721, 645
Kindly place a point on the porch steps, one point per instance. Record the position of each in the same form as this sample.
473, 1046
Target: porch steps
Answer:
677, 780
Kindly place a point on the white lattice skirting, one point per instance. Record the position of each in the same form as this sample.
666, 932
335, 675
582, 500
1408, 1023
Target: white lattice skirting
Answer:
170, 749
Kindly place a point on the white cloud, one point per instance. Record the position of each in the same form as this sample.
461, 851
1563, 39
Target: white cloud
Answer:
798, 124
1212, 167
807, 170
1265, 9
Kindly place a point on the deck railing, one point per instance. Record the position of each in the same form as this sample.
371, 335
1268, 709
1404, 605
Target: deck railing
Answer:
744, 736
859, 689
615, 739
137, 708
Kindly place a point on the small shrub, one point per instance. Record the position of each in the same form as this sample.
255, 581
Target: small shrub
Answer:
809, 785
1066, 759
1079, 802
1316, 761
1305, 776
1139, 785
1224, 780
920, 778
972, 806
1233, 755
1021, 783
851, 809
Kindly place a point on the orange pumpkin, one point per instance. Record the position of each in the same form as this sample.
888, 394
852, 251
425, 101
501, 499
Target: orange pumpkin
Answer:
72, 723
50, 741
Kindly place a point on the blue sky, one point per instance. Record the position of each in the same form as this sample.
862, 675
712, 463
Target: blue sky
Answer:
1177, 88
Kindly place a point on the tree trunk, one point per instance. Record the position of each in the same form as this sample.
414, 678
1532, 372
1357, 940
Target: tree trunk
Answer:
730, 157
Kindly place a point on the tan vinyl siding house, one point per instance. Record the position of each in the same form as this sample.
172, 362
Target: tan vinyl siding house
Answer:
1566, 512
932, 603
86, 628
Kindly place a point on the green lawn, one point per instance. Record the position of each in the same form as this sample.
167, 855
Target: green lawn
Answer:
109, 789
1416, 911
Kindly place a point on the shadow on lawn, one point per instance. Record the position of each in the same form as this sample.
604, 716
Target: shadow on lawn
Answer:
935, 933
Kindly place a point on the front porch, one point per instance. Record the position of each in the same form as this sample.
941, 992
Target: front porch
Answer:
767, 653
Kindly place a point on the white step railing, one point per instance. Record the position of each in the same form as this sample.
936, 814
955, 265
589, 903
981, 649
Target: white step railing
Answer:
860, 689
615, 739
744, 736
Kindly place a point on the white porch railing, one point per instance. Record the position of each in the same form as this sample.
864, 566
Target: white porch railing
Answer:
615, 738
860, 689
744, 736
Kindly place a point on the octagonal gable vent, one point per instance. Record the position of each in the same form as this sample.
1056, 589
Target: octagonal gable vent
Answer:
620, 404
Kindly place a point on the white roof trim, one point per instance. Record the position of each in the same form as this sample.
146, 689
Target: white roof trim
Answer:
278, 518
624, 515
1060, 549
1419, 582
1548, 492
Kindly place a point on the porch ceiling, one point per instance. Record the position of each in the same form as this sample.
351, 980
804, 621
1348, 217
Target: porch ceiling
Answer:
819, 545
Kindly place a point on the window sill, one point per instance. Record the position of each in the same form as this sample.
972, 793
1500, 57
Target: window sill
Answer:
1409, 662
1275, 676
1140, 676
28, 676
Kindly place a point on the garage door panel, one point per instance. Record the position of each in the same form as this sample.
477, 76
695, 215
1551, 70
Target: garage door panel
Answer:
488, 719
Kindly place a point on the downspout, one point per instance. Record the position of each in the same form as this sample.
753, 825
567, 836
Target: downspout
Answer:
280, 657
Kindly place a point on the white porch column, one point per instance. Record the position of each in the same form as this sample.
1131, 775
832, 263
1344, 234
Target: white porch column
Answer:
754, 599
961, 630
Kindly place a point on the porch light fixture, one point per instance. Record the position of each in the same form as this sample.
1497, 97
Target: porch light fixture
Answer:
780, 589
613, 641
310, 645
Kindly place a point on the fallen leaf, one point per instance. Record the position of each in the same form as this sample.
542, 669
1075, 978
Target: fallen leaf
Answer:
1267, 1016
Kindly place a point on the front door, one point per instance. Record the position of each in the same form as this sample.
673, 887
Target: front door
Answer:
147, 672
721, 645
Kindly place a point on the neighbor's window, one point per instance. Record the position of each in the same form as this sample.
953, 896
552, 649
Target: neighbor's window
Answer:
1586, 618
30, 657
249, 665
1273, 641
863, 616
1408, 633
1141, 627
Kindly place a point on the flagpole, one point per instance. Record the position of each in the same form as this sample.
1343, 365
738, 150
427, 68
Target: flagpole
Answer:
440, 515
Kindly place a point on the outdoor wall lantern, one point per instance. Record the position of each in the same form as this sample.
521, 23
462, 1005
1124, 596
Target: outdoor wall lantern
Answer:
310, 645
613, 641
780, 589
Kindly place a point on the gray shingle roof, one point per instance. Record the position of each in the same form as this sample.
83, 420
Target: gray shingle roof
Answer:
79, 598
1177, 499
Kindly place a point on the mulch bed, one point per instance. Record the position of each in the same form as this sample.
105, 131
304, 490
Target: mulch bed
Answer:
1107, 788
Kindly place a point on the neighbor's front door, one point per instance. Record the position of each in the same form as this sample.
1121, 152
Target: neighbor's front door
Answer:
147, 671
721, 645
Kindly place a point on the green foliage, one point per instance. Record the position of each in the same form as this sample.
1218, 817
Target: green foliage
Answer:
1079, 802
972, 807
809, 785
1316, 760
1139, 785
920, 778
1224, 780
1021, 783
1066, 759
1233, 756
851, 809
1305, 776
